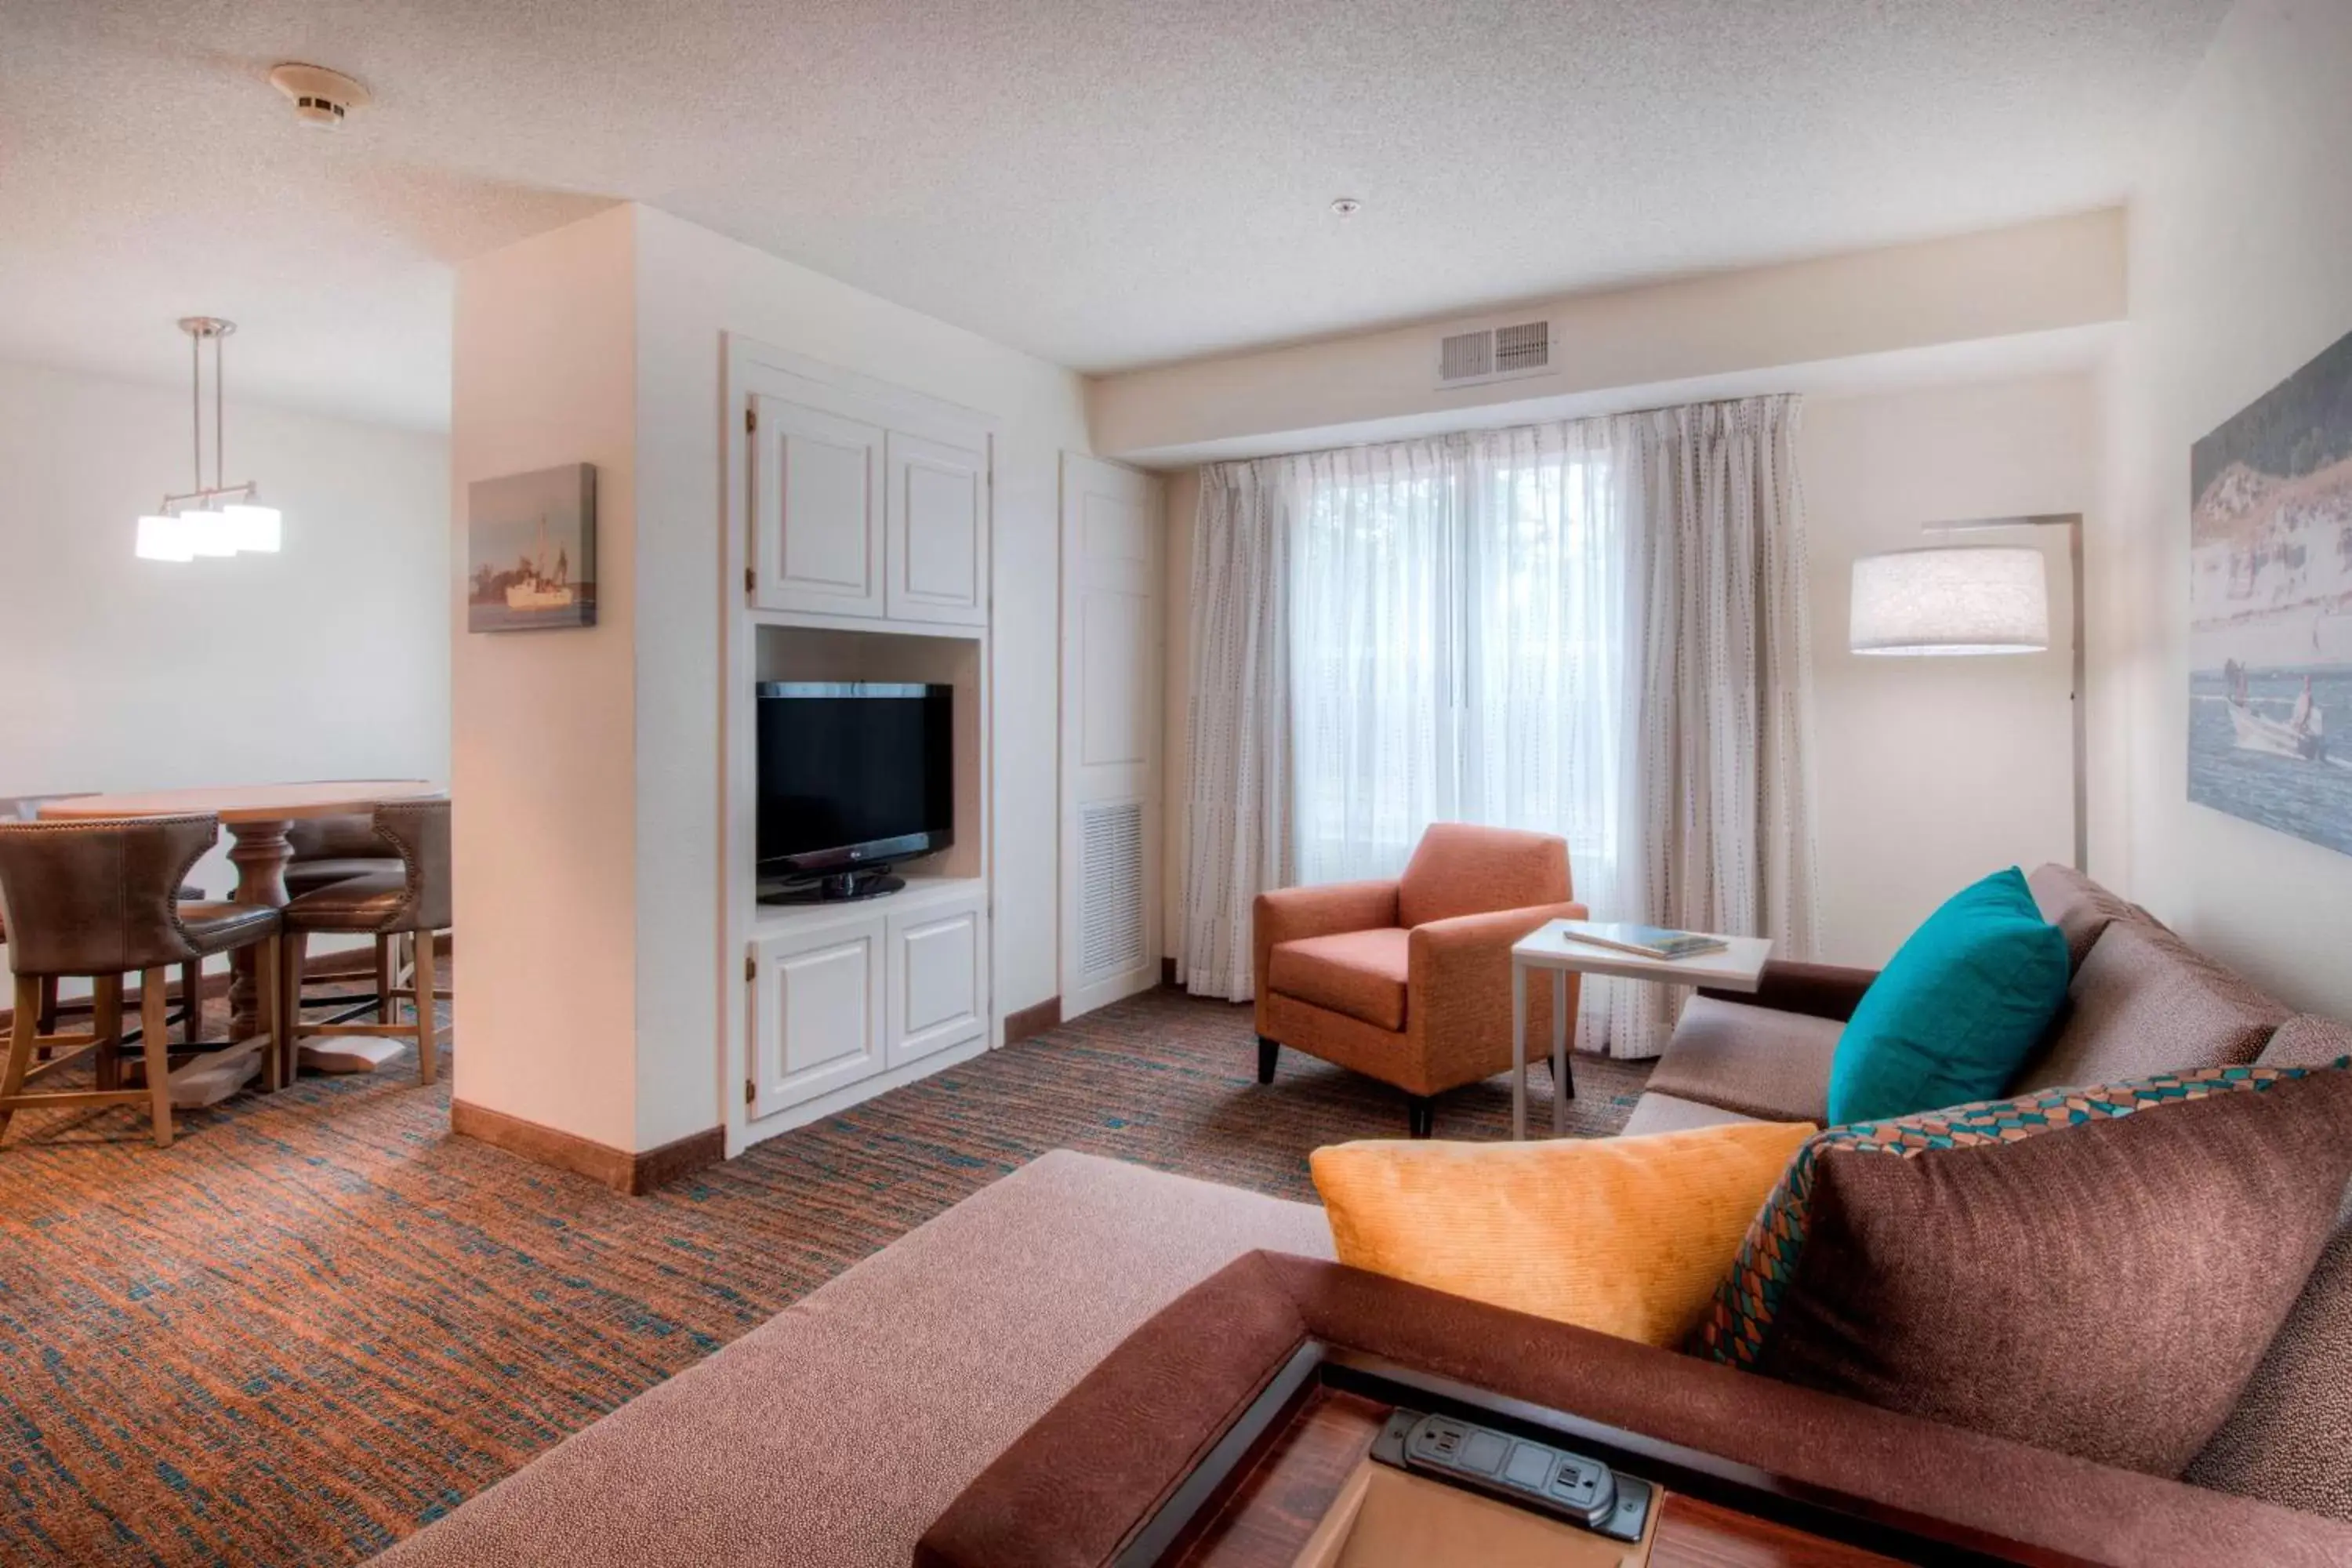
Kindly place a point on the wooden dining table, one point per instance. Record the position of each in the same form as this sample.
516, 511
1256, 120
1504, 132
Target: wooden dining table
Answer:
257, 817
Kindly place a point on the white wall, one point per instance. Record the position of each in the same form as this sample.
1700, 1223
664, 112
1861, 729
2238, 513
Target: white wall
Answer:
596, 754
2240, 234
544, 744
328, 660
1932, 771
693, 288
1718, 335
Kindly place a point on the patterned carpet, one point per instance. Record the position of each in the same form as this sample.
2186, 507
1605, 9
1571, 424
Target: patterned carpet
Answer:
319, 1321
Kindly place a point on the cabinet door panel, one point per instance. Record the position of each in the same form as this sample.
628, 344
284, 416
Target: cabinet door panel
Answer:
938, 988
937, 530
817, 1015
816, 521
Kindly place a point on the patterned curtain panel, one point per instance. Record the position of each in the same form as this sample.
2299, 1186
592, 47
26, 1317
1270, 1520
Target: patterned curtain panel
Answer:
1721, 803
1595, 628
1238, 793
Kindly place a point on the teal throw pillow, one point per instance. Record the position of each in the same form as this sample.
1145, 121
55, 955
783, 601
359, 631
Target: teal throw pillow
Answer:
1952, 1017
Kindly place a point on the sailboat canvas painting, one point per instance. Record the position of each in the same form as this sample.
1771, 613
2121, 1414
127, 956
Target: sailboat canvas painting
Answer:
2270, 621
532, 550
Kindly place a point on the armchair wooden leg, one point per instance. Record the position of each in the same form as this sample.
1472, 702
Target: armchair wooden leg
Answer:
48, 1004
154, 1012
428, 1041
1268, 1053
24, 1027
1420, 1115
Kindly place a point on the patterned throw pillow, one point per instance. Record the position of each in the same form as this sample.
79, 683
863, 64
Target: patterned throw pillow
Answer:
2096, 1271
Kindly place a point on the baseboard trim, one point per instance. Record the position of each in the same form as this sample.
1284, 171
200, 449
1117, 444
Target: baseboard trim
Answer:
1031, 1022
632, 1173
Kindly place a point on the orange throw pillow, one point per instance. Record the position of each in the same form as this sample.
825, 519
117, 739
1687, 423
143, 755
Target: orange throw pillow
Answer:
1626, 1235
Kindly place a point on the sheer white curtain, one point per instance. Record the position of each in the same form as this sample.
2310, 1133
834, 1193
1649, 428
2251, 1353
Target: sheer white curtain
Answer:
1372, 632
1238, 793
1594, 628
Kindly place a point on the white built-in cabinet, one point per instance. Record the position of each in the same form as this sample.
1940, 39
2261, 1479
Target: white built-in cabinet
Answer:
860, 525
853, 519
843, 995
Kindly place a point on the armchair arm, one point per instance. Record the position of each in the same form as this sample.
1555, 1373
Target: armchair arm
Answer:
1286, 914
1829, 991
1459, 990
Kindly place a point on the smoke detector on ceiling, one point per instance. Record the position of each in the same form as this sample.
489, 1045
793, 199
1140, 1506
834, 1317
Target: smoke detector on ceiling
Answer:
321, 97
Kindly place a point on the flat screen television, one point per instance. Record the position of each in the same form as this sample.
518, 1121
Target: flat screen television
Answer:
854, 777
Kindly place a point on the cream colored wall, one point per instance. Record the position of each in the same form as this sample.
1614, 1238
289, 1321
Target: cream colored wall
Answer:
2240, 234
693, 288
2043, 278
329, 660
543, 746
1930, 771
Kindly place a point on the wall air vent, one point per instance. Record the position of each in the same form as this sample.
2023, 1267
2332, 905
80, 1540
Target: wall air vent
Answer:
1494, 353
1110, 886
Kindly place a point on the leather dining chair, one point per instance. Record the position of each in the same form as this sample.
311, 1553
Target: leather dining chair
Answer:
98, 900
410, 903
27, 808
330, 849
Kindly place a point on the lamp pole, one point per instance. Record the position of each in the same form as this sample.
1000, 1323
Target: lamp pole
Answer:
2071, 521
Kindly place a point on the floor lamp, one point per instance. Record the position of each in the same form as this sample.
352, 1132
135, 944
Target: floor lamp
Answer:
1962, 599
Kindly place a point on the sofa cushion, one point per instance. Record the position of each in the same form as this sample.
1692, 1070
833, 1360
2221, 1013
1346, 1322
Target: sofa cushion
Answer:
1770, 1065
1359, 972
1623, 1235
1663, 1113
1956, 1010
832, 1434
2094, 1271
2289, 1441
2146, 1002
1461, 869
2078, 907
2306, 1041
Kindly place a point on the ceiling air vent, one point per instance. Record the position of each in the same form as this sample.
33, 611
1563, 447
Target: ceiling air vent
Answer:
1494, 353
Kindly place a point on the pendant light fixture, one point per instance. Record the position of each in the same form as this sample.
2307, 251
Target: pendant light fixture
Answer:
218, 519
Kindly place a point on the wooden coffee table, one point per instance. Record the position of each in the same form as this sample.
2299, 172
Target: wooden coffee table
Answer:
257, 817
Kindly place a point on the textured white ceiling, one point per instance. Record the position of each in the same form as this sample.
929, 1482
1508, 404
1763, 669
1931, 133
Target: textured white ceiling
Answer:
1103, 183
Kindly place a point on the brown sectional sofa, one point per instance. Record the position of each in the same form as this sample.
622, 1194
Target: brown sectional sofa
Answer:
2142, 1001
833, 1436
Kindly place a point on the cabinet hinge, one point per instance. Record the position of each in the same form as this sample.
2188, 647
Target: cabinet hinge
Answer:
750, 1092
750, 967
751, 419
750, 579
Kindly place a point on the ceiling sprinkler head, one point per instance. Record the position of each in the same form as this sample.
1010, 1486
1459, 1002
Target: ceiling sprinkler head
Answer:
321, 97
1347, 206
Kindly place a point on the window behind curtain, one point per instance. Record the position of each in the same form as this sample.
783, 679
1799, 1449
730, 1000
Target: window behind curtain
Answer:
1457, 625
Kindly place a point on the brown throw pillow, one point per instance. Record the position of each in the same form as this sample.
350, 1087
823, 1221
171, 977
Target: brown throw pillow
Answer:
2096, 1271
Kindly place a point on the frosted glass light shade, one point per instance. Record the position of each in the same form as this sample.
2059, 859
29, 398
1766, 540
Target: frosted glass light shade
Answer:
162, 537
257, 528
208, 533
1951, 599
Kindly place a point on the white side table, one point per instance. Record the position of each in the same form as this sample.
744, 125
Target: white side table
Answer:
1737, 967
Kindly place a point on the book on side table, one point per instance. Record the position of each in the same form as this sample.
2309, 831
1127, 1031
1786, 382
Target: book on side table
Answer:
1644, 942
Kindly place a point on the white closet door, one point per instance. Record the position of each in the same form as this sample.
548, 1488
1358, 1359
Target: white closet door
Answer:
1113, 643
816, 510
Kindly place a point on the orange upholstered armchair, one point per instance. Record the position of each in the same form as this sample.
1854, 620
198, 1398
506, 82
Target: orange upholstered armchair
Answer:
1410, 981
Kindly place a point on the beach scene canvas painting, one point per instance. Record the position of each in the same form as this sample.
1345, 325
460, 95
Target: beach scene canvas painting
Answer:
2270, 636
532, 550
